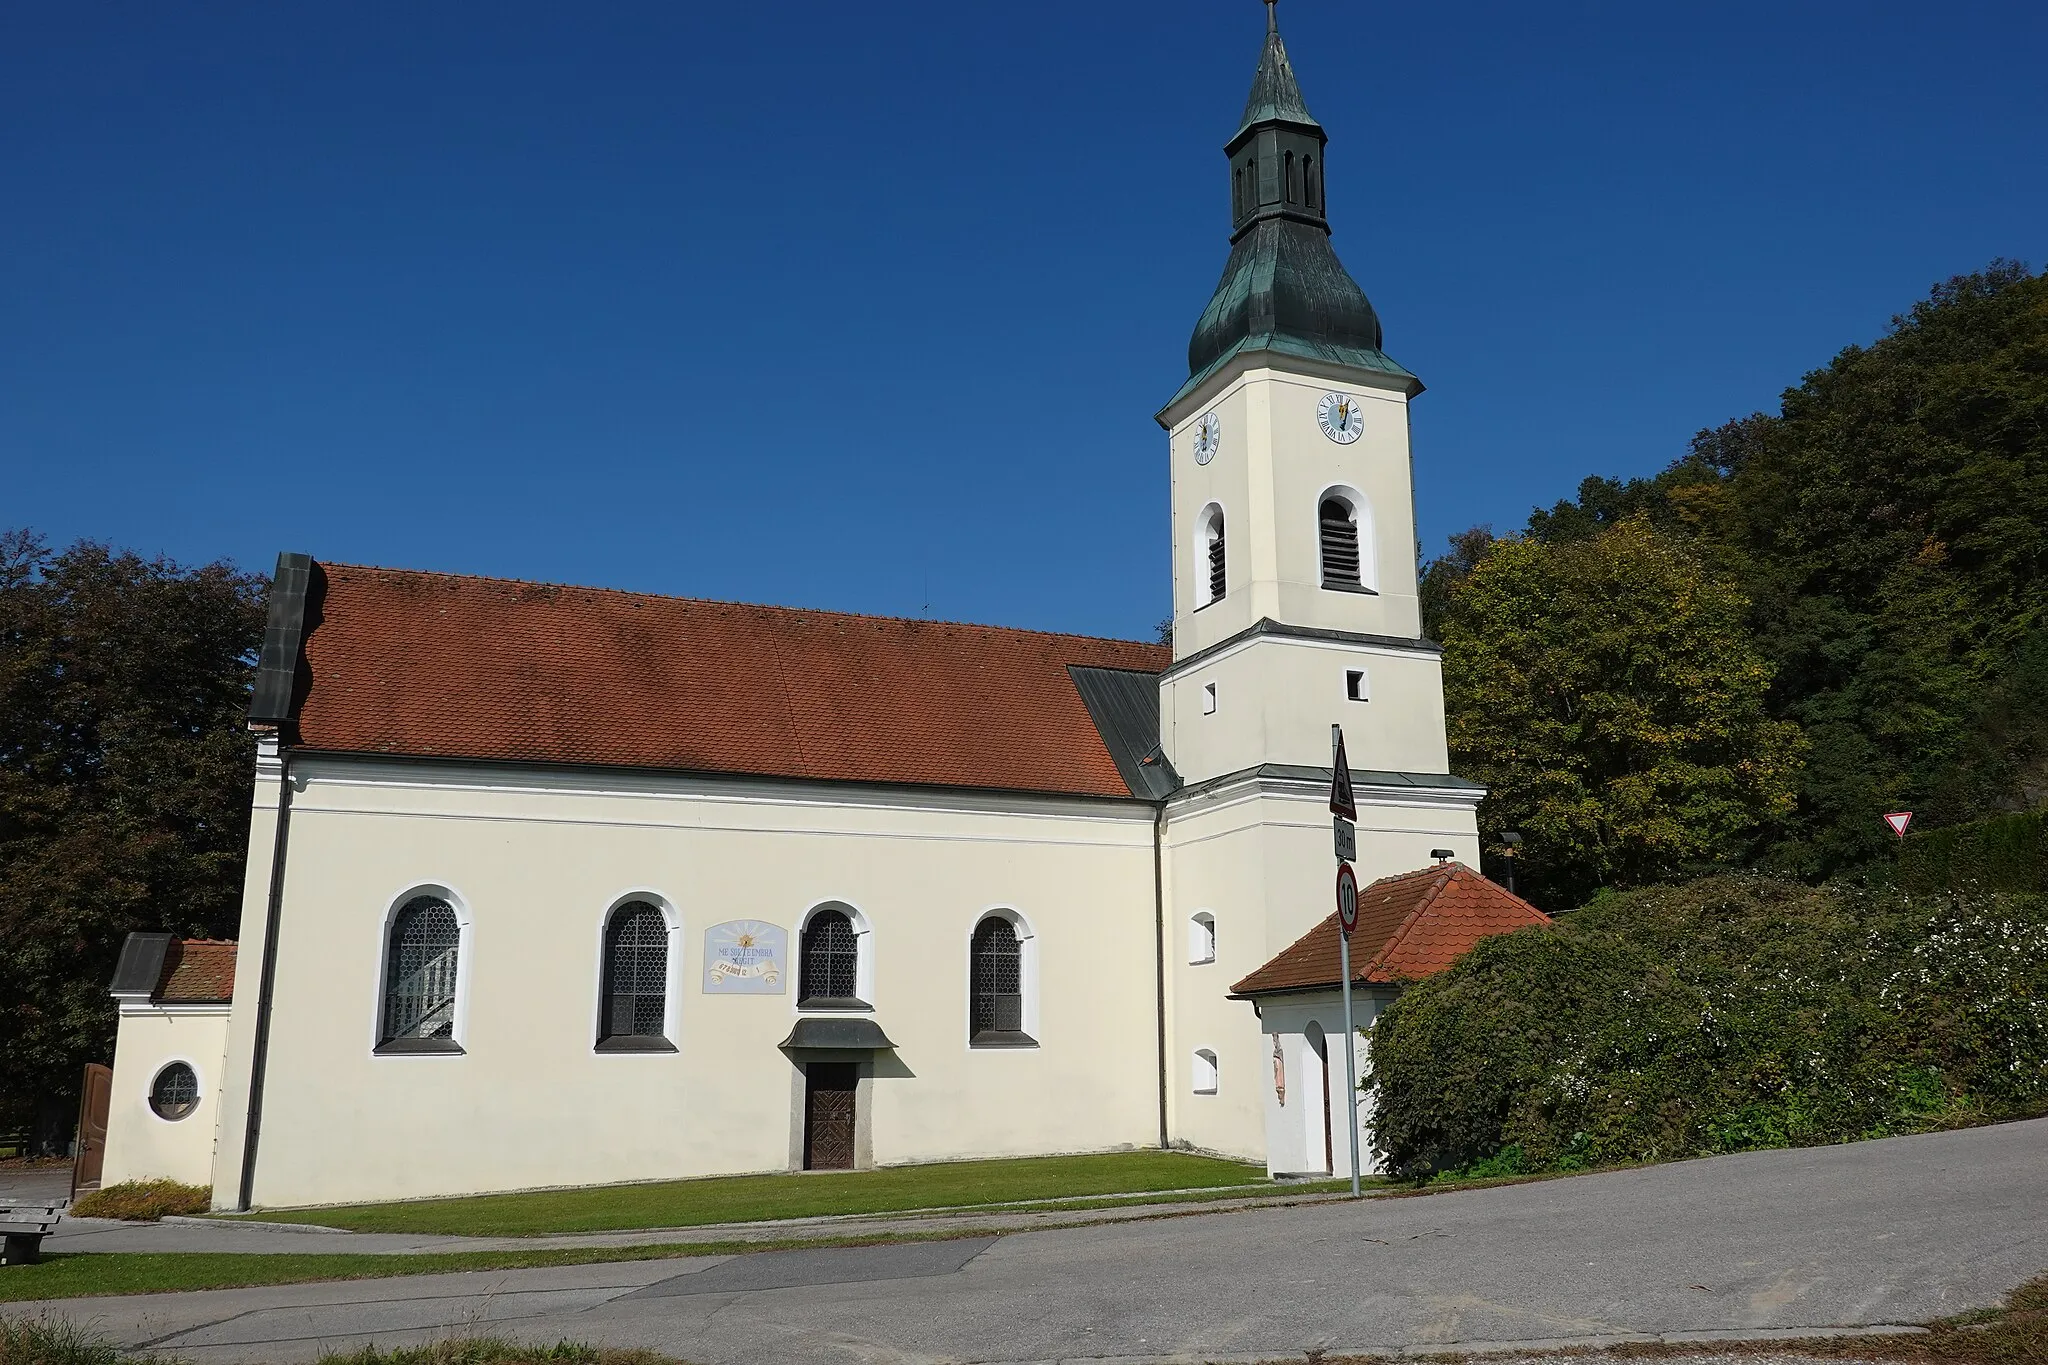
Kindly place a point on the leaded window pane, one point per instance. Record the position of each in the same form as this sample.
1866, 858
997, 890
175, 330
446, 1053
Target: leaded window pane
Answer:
997, 978
175, 1092
831, 958
419, 973
636, 972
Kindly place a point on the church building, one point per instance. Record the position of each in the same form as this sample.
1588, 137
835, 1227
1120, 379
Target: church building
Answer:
554, 886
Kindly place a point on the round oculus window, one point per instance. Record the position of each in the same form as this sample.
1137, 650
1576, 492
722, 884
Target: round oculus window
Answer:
175, 1092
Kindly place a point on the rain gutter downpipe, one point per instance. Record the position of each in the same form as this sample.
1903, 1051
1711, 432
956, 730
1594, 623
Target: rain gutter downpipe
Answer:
1159, 954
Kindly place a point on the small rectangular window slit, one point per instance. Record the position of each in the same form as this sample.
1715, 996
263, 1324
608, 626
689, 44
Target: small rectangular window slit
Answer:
1355, 686
1208, 699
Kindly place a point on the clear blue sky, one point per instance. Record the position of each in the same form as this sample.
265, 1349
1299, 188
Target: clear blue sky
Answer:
868, 306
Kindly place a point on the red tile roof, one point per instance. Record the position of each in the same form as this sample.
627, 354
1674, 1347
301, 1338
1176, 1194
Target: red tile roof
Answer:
1409, 926
452, 666
197, 971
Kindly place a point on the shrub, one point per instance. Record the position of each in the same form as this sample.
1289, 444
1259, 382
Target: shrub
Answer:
2003, 853
1729, 1014
144, 1201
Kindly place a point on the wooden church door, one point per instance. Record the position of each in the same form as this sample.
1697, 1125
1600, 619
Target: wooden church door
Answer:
92, 1129
828, 1115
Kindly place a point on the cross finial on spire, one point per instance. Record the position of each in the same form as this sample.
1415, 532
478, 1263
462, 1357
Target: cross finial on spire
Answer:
1272, 16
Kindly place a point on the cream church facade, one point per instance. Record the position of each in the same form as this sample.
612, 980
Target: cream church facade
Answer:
554, 886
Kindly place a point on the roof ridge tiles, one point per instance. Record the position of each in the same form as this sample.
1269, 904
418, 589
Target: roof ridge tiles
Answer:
1419, 944
826, 612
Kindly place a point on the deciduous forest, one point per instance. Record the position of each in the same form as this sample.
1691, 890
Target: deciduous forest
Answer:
1806, 620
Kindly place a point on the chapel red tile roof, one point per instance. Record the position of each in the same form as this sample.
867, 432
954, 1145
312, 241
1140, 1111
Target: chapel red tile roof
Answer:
197, 971
452, 666
1409, 926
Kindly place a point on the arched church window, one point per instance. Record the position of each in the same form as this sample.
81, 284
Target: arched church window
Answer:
1338, 527
996, 985
635, 1009
420, 972
830, 969
1204, 1072
1309, 193
1289, 191
1211, 583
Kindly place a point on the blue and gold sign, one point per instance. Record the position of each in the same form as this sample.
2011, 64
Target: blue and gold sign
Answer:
745, 957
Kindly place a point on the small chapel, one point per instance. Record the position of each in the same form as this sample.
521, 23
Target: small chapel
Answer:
553, 886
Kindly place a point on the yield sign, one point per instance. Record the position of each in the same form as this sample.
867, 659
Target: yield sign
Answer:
1898, 820
1341, 801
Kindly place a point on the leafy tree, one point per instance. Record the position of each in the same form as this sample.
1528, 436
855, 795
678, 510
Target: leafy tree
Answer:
1608, 694
1441, 577
124, 790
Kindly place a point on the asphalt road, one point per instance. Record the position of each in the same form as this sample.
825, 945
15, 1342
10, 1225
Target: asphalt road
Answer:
1875, 1233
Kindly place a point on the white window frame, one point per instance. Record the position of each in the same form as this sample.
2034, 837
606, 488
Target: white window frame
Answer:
672, 989
149, 1088
863, 963
465, 968
1205, 1074
1362, 522
1027, 967
1201, 938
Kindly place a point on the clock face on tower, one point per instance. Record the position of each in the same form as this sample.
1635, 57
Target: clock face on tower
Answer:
1341, 417
1208, 436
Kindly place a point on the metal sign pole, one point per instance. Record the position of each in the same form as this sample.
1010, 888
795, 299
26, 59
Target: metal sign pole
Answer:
1350, 1062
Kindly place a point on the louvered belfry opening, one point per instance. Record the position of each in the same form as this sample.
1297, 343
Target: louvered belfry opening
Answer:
1340, 543
831, 960
636, 972
420, 970
1216, 558
998, 982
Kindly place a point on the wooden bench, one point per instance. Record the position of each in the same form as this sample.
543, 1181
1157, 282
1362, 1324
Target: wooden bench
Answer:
24, 1226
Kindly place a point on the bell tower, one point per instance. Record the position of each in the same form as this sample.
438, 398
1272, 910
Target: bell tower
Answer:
1294, 607
1293, 515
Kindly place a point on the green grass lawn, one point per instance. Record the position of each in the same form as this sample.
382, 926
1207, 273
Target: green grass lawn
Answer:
66, 1275
751, 1198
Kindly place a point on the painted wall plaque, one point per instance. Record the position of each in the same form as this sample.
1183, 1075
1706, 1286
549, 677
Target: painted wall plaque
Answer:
745, 957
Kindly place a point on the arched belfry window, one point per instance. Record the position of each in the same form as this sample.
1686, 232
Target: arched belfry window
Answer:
1290, 195
422, 965
1338, 527
829, 975
634, 1010
1309, 194
1211, 580
997, 986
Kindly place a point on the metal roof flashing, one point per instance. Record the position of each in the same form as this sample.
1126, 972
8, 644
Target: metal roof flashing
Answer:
140, 967
838, 1035
1338, 364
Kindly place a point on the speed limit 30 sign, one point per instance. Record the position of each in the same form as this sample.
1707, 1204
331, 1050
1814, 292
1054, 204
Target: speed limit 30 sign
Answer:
1347, 897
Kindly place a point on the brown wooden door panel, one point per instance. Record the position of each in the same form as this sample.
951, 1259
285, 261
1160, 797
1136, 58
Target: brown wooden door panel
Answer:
94, 1097
829, 1115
